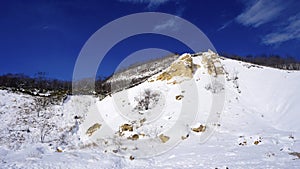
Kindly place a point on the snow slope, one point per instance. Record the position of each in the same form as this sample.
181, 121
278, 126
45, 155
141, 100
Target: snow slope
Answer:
257, 128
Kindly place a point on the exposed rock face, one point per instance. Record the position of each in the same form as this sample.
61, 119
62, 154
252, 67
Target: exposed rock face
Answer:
212, 64
183, 67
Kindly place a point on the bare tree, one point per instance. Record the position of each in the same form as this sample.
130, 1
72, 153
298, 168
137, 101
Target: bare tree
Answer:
44, 115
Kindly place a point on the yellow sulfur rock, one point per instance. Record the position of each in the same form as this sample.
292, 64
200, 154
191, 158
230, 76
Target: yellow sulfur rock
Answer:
164, 138
201, 128
92, 129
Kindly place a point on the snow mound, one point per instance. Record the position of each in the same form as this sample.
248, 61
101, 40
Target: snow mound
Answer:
160, 112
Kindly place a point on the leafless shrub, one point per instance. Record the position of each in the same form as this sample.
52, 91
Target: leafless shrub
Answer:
215, 86
146, 100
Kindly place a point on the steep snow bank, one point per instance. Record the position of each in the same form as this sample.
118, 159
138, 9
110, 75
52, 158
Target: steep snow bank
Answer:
268, 92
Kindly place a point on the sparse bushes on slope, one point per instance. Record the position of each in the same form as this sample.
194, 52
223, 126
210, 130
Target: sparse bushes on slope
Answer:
146, 100
34, 120
133, 75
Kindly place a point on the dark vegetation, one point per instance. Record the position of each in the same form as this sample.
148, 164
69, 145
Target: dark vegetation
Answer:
40, 85
275, 61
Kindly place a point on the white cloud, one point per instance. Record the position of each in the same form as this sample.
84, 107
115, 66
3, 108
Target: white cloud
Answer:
170, 25
261, 12
151, 3
289, 31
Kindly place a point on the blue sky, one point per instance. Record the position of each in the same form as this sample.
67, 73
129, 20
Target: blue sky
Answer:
47, 35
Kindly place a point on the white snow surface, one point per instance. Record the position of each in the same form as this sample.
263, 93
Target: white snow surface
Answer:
260, 106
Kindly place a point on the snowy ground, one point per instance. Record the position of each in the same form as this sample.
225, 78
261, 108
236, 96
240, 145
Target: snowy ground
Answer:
258, 127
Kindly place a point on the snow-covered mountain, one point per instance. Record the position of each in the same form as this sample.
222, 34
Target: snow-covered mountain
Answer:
202, 111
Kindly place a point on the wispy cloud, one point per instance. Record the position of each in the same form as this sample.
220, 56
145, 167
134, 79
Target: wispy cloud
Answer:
289, 31
170, 25
151, 4
225, 25
260, 12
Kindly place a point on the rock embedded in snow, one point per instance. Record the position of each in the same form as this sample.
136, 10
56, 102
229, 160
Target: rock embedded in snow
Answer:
295, 154
164, 138
256, 142
179, 97
59, 149
134, 137
201, 128
184, 137
126, 127
142, 121
131, 158
92, 129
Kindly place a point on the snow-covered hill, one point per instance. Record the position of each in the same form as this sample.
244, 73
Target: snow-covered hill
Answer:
170, 117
